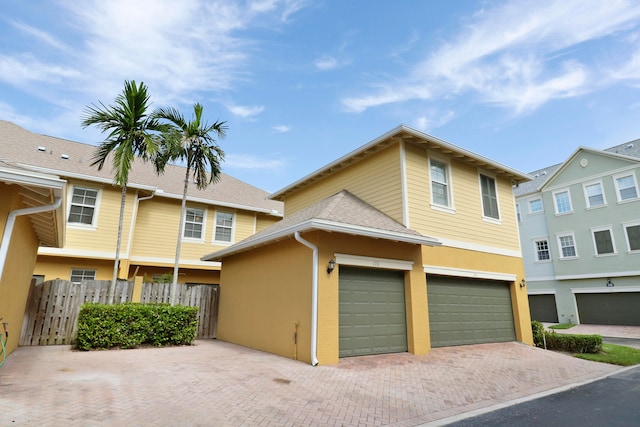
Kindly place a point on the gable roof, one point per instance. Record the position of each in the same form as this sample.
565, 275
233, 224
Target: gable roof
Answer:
541, 177
73, 160
343, 213
410, 135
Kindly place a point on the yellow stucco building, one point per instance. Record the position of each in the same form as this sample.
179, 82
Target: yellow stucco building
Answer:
405, 244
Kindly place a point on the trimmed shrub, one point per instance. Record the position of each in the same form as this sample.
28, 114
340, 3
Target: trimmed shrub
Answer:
574, 343
130, 325
538, 333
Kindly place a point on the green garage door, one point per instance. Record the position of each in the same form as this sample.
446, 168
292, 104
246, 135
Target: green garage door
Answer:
372, 312
618, 308
469, 311
543, 308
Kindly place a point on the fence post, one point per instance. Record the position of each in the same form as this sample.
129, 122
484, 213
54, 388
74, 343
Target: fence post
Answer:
137, 289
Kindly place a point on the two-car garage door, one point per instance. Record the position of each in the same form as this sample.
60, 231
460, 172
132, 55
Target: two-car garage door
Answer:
461, 311
469, 311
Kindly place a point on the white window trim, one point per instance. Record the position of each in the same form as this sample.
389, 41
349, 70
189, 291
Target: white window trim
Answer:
233, 228
626, 236
96, 210
586, 196
534, 242
635, 182
575, 245
555, 202
95, 272
436, 206
204, 226
613, 240
495, 181
529, 206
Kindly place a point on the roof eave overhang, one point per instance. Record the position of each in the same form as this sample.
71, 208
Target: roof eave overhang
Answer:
322, 225
160, 193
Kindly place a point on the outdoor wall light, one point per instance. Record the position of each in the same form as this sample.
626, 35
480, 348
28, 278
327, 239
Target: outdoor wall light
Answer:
523, 283
609, 283
332, 265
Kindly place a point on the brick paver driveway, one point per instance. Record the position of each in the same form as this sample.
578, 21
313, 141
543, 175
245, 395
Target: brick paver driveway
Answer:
214, 383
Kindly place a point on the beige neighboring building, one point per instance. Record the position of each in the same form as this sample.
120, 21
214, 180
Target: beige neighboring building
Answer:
217, 217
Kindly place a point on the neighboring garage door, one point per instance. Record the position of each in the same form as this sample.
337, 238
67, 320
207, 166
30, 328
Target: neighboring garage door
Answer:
372, 312
543, 308
620, 308
469, 311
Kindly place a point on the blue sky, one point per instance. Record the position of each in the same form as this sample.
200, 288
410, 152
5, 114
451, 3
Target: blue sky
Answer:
301, 83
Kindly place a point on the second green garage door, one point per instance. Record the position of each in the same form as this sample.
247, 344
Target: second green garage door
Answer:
469, 311
372, 312
618, 308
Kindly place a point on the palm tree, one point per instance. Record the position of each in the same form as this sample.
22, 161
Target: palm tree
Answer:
131, 132
191, 142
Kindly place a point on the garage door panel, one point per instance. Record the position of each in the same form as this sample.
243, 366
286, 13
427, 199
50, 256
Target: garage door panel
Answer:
618, 308
468, 311
372, 312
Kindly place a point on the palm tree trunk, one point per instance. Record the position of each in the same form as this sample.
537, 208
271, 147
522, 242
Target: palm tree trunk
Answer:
174, 285
116, 263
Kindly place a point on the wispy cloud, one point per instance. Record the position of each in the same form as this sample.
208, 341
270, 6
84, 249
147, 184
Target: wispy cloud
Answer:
518, 55
245, 111
326, 62
249, 161
433, 120
281, 128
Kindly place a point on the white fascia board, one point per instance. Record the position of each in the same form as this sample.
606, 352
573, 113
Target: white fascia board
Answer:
324, 226
87, 177
22, 177
605, 275
605, 290
541, 291
365, 261
161, 193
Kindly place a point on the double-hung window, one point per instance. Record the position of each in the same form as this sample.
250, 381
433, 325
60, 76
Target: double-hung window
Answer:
80, 274
440, 187
562, 202
594, 195
224, 227
194, 223
489, 197
542, 250
567, 246
83, 206
603, 241
626, 187
632, 233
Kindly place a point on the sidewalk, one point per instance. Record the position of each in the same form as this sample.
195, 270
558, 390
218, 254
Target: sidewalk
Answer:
614, 331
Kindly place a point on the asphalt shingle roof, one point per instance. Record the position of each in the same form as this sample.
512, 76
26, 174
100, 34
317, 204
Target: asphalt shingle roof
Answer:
21, 147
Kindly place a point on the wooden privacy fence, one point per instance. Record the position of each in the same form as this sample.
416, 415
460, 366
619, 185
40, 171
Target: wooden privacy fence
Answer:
51, 315
206, 297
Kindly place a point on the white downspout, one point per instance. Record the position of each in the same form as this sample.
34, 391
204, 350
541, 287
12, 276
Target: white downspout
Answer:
11, 220
314, 298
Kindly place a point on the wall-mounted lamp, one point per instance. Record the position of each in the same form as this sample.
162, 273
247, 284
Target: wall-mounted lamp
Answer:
609, 283
523, 283
332, 266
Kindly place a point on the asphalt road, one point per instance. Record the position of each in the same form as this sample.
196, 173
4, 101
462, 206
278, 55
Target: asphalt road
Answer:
613, 401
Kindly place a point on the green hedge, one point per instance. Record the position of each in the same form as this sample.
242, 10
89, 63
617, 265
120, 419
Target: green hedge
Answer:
565, 342
130, 325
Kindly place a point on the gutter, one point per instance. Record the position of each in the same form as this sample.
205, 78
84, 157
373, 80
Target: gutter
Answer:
11, 220
314, 298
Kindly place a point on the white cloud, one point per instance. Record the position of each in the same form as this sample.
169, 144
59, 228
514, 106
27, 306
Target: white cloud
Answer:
245, 111
326, 62
519, 55
433, 120
249, 161
281, 128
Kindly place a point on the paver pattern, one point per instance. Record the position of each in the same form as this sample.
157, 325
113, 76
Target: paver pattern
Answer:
214, 383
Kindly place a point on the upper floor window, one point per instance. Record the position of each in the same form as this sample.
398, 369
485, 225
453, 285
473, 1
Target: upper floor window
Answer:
627, 188
567, 245
594, 195
224, 227
80, 274
542, 250
632, 233
83, 206
489, 197
562, 201
603, 241
440, 189
535, 206
193, 224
